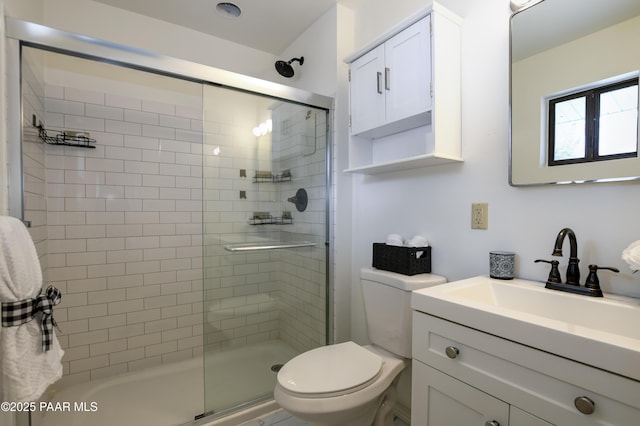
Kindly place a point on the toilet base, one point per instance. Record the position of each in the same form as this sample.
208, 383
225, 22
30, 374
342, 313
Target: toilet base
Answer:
384, 415
375, 413
363, 415
369, 406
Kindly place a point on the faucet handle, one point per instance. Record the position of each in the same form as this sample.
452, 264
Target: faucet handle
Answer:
554, 274
592, 279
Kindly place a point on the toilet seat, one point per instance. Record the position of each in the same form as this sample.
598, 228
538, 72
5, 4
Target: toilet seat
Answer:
330, 370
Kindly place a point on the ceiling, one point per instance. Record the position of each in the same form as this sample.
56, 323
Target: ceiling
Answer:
267, 25
528, 39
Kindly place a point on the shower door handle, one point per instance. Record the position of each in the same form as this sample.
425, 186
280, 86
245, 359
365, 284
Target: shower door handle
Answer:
387, 78
379, 82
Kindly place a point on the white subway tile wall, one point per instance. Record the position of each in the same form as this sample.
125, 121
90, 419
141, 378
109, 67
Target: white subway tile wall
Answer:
300, 146
124, 225
266, 295
128, 230
33, 156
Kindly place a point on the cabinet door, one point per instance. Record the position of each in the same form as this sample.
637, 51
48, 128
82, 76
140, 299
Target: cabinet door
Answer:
441, 400
366, 91
408, 72
517, 417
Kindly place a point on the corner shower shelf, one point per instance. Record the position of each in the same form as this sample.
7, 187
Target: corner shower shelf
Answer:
273, 245
65, 138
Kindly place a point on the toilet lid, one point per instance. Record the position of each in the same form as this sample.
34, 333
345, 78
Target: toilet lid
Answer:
330, 369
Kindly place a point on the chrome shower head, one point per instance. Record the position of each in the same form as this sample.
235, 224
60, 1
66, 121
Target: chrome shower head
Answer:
285, 69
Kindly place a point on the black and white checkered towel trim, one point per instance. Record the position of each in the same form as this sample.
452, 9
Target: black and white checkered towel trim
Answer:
23, 311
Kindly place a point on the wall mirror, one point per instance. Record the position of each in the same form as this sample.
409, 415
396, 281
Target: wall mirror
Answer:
560, 47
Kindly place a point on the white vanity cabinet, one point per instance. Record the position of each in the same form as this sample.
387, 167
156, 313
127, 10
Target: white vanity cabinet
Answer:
445, 401
462, 376
404, 95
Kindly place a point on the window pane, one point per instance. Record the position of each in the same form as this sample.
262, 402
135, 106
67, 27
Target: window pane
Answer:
618, 121
569, 127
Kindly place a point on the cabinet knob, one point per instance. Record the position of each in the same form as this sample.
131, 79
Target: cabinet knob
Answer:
584, 405
492, 423
451, 351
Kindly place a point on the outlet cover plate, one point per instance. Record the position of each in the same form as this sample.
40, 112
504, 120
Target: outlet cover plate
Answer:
480, 216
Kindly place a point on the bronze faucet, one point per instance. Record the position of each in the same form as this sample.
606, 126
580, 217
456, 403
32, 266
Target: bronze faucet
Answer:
554, 282
573, 271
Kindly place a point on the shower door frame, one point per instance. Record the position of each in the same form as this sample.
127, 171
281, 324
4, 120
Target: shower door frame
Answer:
19, 33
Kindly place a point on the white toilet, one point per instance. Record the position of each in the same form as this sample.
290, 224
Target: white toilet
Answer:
351, 385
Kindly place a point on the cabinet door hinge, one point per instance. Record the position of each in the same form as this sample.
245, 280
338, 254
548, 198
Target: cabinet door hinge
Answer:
431, 89
349, 120
349, 75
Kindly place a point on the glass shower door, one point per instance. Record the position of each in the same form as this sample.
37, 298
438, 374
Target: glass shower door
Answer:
265, 228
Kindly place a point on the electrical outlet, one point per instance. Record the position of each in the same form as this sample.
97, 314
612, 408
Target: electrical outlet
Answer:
480, 216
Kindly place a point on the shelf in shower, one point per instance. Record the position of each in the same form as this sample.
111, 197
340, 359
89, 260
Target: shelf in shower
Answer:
265, 218
262, 176
271, 221
267, 246
77, 139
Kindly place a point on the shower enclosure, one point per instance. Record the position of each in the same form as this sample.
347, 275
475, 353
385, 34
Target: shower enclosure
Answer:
264, 228
183, 212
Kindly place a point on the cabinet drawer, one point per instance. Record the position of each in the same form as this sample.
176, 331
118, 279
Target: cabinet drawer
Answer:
536, 381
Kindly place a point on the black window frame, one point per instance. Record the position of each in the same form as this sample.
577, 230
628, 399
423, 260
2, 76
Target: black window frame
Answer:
592, 124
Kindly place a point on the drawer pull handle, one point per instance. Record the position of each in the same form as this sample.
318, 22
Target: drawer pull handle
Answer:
584, 405
451, 351
492, 423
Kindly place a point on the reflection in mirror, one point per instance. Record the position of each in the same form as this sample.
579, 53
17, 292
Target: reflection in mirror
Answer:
598, 124
560, 49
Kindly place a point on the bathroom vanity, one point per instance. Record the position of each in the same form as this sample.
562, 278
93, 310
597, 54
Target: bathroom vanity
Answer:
495, 353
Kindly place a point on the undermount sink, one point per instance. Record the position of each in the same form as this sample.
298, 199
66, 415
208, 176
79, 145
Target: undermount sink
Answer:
602, 332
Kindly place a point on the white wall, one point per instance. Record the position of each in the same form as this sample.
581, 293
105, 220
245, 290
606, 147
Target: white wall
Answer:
342, 183
316, 44
24, 9
324, 45
437, 202
98, 20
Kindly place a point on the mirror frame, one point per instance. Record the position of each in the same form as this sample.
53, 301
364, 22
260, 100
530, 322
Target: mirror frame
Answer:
535, 170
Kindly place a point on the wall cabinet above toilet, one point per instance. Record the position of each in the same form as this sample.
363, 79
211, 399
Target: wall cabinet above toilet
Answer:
404, 94
390, 85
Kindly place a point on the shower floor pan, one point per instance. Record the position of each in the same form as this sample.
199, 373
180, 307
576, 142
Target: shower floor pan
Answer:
171, 394
247, 374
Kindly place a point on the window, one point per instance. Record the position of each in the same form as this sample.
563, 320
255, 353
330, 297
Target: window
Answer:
594, 125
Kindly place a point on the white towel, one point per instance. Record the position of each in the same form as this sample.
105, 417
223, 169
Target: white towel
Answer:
418, 241
395, 240
25, 369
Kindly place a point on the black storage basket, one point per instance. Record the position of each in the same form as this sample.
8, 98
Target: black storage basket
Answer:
403, 260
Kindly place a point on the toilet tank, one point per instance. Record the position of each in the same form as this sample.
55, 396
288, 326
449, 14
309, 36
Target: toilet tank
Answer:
387, 302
